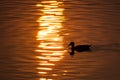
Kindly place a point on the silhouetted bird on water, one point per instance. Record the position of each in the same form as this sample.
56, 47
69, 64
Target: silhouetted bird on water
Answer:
78, 48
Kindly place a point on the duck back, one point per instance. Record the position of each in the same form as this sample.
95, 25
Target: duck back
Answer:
81, 48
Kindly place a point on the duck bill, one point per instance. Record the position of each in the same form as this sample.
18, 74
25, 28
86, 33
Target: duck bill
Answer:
69, 44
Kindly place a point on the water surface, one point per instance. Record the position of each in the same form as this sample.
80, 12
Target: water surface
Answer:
34, 36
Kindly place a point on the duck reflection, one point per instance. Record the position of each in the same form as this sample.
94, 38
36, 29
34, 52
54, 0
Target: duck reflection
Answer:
51, 47
78, 48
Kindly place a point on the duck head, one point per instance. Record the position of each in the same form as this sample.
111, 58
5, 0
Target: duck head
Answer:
72, 44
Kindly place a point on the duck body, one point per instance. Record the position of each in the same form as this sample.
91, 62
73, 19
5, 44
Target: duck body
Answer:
82, 48
79, 48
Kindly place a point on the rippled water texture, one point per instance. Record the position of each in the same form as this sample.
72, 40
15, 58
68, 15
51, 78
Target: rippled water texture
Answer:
34, 38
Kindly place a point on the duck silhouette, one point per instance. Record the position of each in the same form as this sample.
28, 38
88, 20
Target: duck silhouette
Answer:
78, 48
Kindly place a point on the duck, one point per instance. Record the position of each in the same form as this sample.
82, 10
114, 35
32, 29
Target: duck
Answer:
78, 48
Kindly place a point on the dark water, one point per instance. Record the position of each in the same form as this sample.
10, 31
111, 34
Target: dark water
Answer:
34, 35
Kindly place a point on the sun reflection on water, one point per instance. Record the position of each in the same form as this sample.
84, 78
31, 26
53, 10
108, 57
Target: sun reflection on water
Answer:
51, 47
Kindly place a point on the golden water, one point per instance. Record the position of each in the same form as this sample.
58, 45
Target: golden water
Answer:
34, 38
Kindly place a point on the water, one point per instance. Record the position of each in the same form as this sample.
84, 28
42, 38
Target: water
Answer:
34, 36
